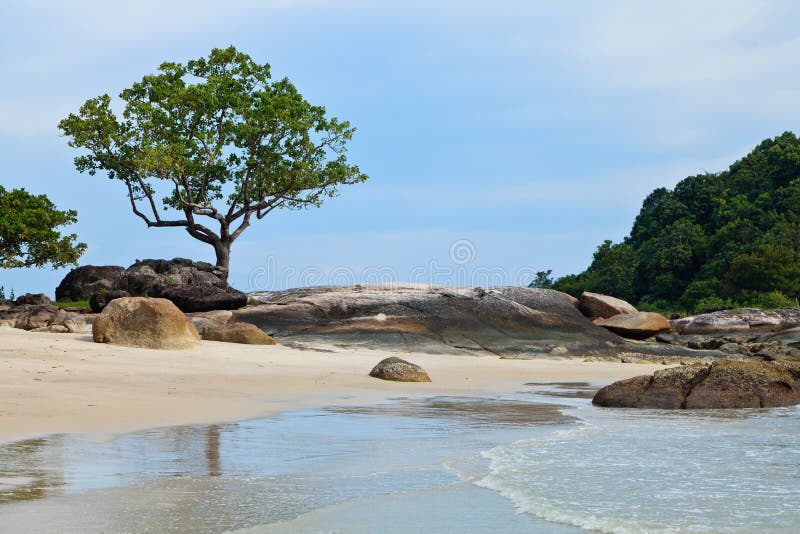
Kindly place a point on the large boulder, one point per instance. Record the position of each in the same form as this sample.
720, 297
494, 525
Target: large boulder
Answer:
201, 297
722, 384
399, 370
244, 333
506, 321
145, 277
82, 282
739, 320
596, 305
144, 322
637, 325
100, 300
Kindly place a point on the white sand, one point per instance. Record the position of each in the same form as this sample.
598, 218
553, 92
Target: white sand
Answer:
53, 383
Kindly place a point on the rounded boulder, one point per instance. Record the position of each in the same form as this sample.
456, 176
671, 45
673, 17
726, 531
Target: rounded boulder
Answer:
399, 370
144, 322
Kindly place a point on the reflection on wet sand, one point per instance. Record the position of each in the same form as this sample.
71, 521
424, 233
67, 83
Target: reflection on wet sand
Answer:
472, 411
566, 390
221, 477
30, 469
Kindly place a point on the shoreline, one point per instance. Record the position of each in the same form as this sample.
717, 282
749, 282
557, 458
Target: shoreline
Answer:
66, 383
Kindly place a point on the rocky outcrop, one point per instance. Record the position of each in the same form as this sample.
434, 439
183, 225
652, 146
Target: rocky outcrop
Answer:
399, 370
244, 333
146, 277
507, 321
740, 320
82, 282
99, 300
639, 325
192, 286
722, 384
44, 318
201, 297
595, 305
38, 299
144, 322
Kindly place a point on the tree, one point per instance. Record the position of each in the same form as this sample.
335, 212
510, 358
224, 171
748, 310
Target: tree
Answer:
543, 279
29, 235
214, 141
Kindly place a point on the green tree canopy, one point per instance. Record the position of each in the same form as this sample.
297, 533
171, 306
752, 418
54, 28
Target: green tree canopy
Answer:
732, 236
29, 233
212, 145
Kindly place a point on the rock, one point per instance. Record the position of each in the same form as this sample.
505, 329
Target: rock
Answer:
399, 370
666, 337
201, 297
55, 329
38, 299
637, 325
82, 282
210, 319
144, 322
730, 348
746, 385
99, 300
237, 333
505, 321
722, 384
78, 323
144, 277
740, 320
704, 343
29, 317
596, 305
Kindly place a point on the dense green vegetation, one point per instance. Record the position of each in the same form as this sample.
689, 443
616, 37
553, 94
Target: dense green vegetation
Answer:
29, 232
715, 240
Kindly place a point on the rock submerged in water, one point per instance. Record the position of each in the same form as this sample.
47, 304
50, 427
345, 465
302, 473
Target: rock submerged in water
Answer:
399, 370
144, 322
722, 384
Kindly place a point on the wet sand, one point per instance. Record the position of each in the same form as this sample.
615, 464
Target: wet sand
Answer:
336, 469
65, 383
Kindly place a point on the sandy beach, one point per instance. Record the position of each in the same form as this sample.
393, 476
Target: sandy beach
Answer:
65, 383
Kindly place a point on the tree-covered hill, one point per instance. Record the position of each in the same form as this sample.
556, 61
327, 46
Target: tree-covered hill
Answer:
731, 238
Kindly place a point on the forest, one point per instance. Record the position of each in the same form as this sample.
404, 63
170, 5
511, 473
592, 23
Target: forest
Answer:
727, 239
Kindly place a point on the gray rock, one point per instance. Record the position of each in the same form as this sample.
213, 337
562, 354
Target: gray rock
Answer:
506, 321
747, 319
82, 282
38, 299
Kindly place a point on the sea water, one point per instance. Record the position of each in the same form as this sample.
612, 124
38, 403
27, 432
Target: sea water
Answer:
537, 460
658, 471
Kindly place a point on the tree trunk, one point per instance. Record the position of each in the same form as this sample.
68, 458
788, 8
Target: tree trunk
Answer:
223, 251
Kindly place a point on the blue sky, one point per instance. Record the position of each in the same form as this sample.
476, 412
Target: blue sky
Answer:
525, 133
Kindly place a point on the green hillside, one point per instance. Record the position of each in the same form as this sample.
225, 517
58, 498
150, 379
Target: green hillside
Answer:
725, 239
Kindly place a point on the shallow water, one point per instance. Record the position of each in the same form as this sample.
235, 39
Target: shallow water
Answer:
514, 463
655, 471
309, 471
